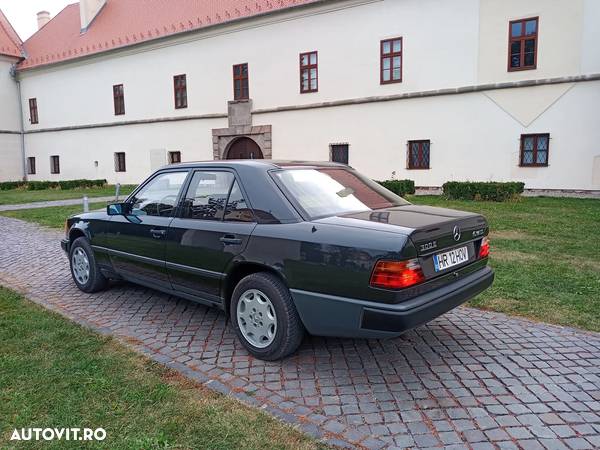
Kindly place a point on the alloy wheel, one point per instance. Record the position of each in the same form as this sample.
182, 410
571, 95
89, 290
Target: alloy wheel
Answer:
256, 318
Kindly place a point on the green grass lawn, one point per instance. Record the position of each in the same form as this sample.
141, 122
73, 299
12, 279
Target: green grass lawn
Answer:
545, 251
546, 254
53, 217
54, 373
16, 196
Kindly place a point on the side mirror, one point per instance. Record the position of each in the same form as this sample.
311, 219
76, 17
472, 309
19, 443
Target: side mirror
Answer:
118, 209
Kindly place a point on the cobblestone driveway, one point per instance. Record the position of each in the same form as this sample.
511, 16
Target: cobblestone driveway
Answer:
469, 379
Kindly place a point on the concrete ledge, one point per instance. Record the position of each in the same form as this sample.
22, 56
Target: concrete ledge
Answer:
574, 193
128, 122
433, 93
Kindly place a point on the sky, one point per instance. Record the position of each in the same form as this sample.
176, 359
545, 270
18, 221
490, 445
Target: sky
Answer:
22, 13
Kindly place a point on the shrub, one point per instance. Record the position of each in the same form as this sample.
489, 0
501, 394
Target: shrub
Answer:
9, 185
41, 185
399, 187
490, 191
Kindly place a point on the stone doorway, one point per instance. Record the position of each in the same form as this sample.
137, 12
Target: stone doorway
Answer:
241, 139
244, 148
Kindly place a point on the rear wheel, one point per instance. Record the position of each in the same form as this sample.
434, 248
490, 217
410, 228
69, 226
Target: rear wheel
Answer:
264, 317
85, 271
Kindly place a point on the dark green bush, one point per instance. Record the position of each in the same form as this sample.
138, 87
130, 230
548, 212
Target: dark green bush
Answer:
8, 185
41, 185
489, 191
399, 187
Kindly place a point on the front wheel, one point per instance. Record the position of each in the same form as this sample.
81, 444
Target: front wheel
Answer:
264, 317
85, 271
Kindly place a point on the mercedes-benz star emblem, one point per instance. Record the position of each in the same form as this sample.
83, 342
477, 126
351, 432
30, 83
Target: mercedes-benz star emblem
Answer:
456, 233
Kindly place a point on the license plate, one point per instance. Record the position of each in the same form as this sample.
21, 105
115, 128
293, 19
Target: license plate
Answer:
451, 258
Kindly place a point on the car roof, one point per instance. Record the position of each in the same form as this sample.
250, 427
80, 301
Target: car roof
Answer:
265, 164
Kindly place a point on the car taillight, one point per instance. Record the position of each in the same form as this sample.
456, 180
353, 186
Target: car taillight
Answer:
484, 250
397, 274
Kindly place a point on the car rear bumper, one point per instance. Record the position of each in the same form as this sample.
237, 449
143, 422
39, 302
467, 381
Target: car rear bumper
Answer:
329, 315
65, 244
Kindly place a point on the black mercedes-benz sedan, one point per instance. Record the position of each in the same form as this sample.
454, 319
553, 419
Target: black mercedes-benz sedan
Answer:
285, 248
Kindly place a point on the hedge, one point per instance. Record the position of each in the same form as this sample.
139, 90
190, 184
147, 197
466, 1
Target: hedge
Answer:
490, 191
41, 185
399, 187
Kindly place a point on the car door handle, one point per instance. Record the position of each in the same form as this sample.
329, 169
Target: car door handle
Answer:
230, 239
158, 234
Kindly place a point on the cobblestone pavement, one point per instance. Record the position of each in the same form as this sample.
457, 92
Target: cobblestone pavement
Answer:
469, 379
67, 202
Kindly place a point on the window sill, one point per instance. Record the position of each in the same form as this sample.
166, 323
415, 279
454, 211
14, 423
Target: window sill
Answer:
418, 168
390, 82
533, 165
521, 69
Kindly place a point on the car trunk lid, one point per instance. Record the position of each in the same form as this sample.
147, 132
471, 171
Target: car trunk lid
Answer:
432, 230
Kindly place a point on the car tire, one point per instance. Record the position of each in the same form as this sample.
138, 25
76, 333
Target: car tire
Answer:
264, 317
84, 270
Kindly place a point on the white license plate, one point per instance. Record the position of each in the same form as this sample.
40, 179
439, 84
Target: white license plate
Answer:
451, 258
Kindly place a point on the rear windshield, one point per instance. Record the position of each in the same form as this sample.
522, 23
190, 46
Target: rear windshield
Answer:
325, 192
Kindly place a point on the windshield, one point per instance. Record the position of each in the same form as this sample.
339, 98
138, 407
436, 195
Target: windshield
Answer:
334, 191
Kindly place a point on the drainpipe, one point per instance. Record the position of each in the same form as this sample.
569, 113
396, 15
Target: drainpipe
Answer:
13, 73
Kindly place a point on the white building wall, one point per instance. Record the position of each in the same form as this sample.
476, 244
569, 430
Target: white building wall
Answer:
81, 93
560, 28
446, 44
11, 166
79, 150
471, 138
590, 53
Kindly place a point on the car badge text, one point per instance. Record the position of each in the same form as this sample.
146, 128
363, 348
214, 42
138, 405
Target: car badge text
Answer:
428, 246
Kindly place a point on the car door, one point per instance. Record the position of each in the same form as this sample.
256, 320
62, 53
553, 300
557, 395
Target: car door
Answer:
213, 226
136, 242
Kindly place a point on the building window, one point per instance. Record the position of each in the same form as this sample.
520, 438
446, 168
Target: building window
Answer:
174, 157
180, 84
418, 154
119, 99
391, 61
55, 164
522, 44
309, 73
31, 165
120, 162
240, 82
339, 153
33, 110
534, 149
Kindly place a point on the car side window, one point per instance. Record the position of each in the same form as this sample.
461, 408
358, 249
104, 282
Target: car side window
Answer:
237, 208
207, 195
159, 196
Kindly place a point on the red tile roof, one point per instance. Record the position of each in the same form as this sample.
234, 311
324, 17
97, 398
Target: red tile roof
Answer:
10, 42
126, 22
